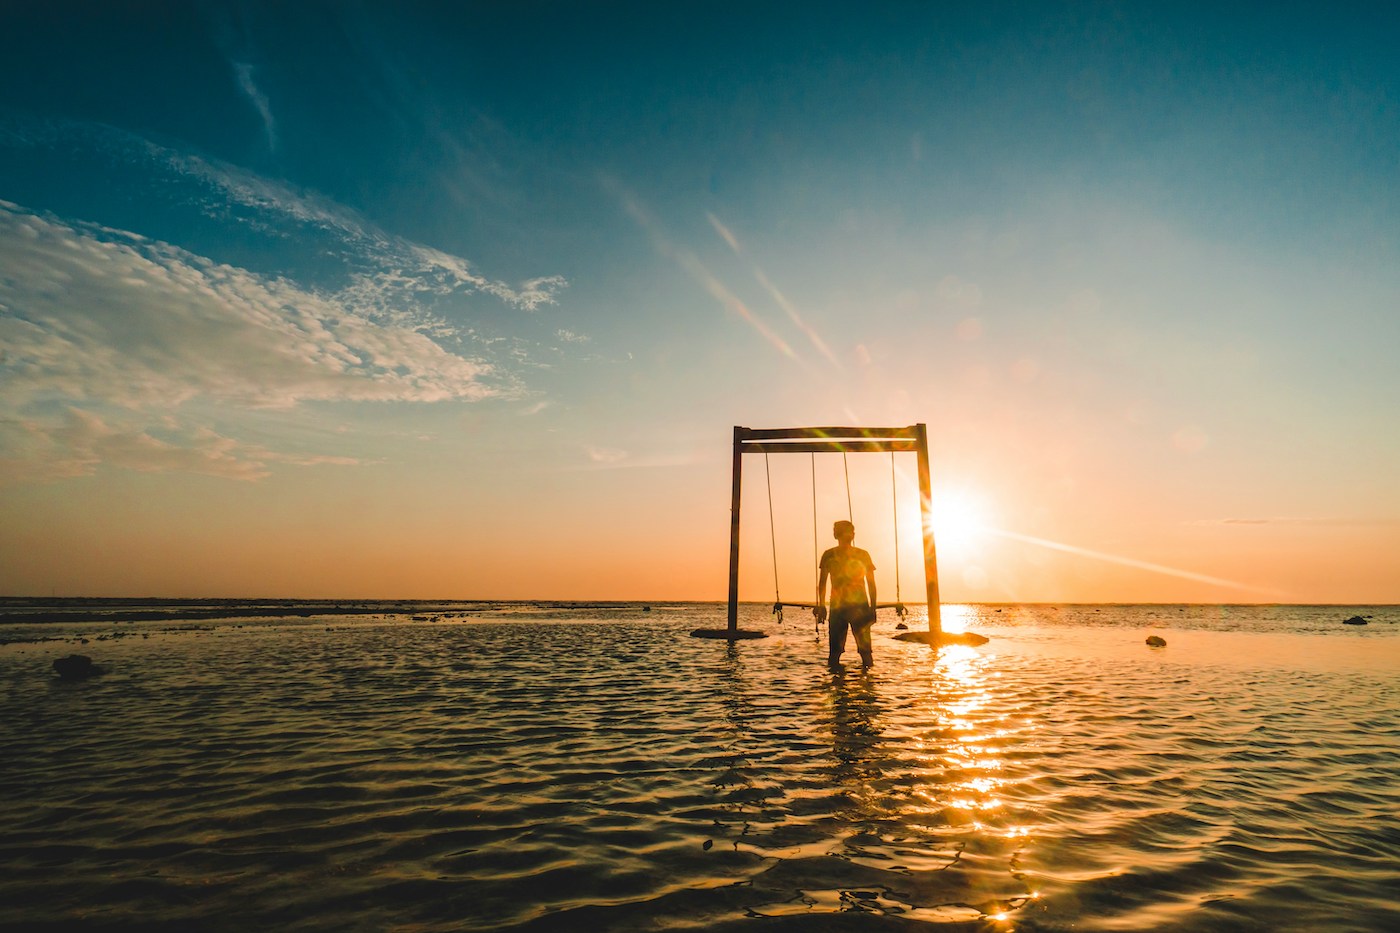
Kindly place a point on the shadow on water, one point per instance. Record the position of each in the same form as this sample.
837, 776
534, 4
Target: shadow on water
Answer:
857, 755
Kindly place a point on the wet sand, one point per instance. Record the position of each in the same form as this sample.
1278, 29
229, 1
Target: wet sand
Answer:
555, 768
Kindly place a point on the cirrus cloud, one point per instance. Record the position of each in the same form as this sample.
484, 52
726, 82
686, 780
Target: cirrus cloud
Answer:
94, 315
95, 320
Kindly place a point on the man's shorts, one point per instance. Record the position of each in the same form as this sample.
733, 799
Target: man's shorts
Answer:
854, 616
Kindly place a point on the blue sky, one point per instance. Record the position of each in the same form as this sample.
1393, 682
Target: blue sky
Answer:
296, 294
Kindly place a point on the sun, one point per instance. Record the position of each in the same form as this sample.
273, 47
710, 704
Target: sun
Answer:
959, 519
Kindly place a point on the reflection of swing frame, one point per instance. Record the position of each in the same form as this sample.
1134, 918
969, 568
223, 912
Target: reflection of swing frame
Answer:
835, 440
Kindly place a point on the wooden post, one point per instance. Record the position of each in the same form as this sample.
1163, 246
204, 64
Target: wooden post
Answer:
935, 613
739, 435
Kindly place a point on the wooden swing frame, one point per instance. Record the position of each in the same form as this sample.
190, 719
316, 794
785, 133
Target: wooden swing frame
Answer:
913, 438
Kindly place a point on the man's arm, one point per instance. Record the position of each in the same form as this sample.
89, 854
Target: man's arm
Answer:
870, 586
820, 610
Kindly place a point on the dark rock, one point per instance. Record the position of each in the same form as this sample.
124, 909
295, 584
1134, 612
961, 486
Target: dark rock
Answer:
1156, 641
1355, 620
901, 627
76, 667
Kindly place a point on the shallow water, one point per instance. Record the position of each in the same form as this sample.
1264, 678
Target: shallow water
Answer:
548, 768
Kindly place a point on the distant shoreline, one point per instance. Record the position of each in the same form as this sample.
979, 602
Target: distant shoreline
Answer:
22, 610
32, 610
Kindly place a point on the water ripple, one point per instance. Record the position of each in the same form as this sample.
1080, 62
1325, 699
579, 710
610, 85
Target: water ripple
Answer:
604, 773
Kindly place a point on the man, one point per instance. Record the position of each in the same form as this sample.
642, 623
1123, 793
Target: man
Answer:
852, 575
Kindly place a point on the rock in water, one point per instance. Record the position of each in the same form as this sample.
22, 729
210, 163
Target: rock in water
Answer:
76, 667
1156, 641
1355, 620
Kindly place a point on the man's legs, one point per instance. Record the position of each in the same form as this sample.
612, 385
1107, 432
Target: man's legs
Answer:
863, 643
836, 626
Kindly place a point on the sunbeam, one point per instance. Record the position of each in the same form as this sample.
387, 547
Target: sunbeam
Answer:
1128, 561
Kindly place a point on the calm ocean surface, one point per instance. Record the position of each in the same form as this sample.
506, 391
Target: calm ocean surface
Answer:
533, 767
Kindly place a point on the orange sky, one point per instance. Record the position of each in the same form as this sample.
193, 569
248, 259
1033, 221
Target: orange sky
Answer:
657, 533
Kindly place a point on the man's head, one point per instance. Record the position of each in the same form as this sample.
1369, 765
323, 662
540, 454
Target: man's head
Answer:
844, 531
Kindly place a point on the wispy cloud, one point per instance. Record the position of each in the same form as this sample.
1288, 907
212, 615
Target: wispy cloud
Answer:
125, 328
613, 458
80, 442
605, 454
93, 315
697, 270
244, 72
384, 271
96, 320
394, 266
778, 297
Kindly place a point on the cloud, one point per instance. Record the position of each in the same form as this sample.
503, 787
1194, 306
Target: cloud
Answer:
91, 315
605, 454
320, 305
397, 266
81, 442
244, 72
380, 270
98, 320
697, 270
778, 297
607, 458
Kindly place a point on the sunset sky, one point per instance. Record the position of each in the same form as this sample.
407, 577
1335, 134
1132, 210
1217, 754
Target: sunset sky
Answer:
464, 300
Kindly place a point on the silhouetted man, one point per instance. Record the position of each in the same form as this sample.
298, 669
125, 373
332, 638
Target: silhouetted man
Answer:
852, 575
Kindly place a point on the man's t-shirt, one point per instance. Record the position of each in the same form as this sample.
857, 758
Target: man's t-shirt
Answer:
847, 567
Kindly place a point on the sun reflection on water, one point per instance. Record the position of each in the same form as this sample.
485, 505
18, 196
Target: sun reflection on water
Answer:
963, 764
922, 751
956, 618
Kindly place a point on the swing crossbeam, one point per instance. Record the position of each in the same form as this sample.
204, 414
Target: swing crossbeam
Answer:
772, 434
833, 447
785, 604
913, 438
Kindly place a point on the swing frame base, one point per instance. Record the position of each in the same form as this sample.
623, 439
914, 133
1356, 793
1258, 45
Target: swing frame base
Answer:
738, 634
943, 639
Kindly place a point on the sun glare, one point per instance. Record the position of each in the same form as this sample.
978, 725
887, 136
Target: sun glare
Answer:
959, 519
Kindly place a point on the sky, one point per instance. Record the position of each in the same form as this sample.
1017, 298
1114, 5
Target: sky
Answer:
463, 300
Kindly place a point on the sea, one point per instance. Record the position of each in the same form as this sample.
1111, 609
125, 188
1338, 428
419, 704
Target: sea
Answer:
532, 766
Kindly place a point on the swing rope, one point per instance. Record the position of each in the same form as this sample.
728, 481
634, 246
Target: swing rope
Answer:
899, 609
773, 540
850, 513
816, 554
